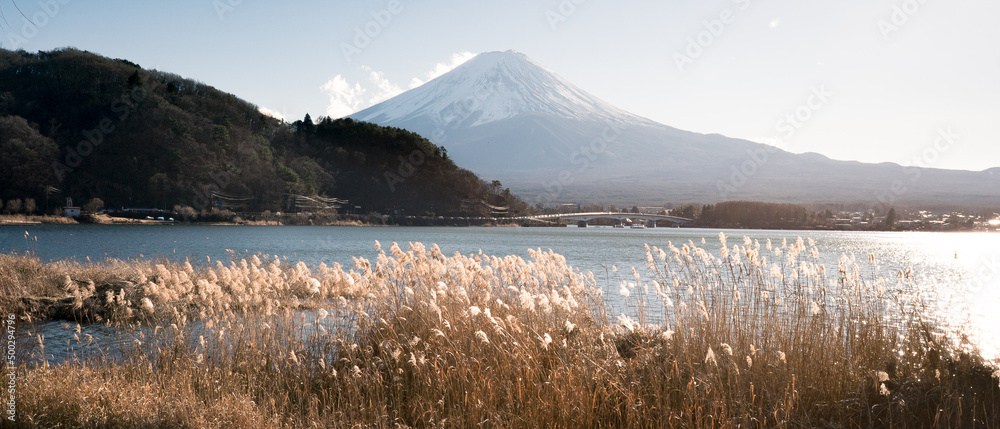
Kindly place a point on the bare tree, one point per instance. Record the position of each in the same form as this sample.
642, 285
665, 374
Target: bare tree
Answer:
14, 206
93, 205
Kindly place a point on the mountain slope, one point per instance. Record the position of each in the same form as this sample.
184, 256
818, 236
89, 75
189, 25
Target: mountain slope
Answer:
504, 116
94, 127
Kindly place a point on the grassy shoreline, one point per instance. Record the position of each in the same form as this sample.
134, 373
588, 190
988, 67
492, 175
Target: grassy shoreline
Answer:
35, 220
745, 336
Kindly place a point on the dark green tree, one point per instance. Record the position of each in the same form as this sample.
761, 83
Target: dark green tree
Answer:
25, 159
134, 80
890, 218
307, 125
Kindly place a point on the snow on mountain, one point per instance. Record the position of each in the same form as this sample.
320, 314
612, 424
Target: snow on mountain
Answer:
491, 87
506, 117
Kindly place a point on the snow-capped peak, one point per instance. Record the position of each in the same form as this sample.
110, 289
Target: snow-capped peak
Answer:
490, 87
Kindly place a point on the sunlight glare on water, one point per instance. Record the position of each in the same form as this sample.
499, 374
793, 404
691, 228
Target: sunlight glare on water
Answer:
957, 275
971, 300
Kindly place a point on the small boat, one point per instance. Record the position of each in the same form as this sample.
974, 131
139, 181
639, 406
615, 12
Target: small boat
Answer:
638, 226
619, 225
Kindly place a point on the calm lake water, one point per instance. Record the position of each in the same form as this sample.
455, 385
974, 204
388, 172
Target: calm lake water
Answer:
958, 273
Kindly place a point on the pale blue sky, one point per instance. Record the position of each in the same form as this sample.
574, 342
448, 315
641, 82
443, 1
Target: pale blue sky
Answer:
893, 88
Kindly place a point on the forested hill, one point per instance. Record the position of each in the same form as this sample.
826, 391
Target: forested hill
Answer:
75, 124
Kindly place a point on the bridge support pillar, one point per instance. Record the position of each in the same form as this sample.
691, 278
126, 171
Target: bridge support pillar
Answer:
651, 224
581, 224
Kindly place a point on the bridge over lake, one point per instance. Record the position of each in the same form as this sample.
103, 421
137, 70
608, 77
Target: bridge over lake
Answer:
583, 218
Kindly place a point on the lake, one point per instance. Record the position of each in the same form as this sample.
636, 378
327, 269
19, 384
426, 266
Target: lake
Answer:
958, 273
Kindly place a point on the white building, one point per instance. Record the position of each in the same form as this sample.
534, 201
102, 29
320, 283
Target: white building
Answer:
70, 210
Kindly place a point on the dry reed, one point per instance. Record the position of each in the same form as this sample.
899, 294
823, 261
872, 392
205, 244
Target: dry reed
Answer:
752, 337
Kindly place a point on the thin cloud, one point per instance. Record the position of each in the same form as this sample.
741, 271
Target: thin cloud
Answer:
344, 97
439, 69
347, 98
272, 113
386, 89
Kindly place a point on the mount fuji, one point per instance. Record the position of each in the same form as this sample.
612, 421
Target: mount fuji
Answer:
506, 117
